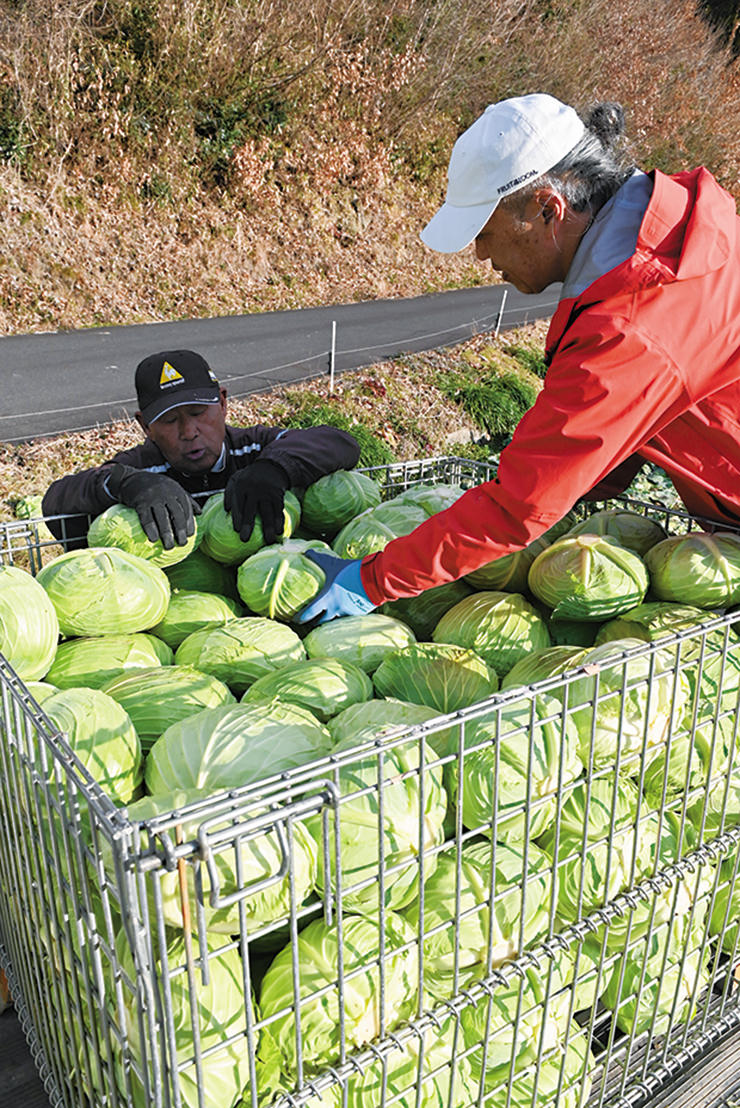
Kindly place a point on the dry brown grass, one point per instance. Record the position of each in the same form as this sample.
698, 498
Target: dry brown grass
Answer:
199, 159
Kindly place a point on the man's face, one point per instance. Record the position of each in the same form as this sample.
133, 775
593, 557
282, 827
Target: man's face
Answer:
190, 436
524, 250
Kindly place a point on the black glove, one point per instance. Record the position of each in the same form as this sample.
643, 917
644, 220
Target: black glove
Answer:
164, 509
258, 489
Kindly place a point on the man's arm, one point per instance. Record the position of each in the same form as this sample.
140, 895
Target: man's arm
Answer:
77, 495
304, 453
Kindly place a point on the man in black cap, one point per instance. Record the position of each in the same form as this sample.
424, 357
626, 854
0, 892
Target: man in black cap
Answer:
189, 450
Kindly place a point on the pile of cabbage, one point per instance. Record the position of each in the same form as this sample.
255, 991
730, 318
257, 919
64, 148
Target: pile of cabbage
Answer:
506, 756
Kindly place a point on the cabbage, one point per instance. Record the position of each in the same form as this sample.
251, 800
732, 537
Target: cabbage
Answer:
431, 498
656, 620
690, 765
655, 984
200, 573
422, 613
510, 572
29, 627
425, 1061
236, 744
595, 808
95, 660
629, 529
120, 526
374, 528
718, 807
279, 580
101, 735
324, 686
617, 703
157, 697
441, 675
475, 919
588, 577
251, 862
374, 719
515, 762
222, 543
698, 569
370, 1002
242, 650
543, 664
589, 873
105, 591
501, 627
335, 499
215, 1012
514, 1023
387, 780
561, 1078
725, 919
190, 611
363, 640
663, 842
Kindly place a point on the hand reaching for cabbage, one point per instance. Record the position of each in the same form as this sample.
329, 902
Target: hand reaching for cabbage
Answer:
343, 593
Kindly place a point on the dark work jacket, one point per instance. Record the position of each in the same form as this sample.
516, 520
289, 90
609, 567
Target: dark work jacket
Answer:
305, 454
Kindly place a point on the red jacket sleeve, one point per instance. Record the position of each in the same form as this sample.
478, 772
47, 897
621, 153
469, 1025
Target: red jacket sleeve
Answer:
607, 390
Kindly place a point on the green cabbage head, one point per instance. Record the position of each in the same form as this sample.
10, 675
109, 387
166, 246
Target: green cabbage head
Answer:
156, 697
105, 591
120, 526
279, 580
324, 686
516, 760
630, 529
222, 543
391, 778
190, 610
249, 864
335, 499
363, 640
29, 627
95, 660
440, 675
588, 577
234, 745
102, 736
242, 650
698, 568
216, 1007
501, 627
480, 910
371, 1002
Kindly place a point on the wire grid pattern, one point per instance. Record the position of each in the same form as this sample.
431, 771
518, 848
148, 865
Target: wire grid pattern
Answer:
590, 974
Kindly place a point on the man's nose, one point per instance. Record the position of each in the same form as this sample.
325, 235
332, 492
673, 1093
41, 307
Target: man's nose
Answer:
481, 252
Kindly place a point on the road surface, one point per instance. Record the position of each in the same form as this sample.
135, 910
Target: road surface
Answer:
73, 380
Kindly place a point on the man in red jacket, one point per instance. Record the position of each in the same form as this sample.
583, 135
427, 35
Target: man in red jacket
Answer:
190, 451
643, 350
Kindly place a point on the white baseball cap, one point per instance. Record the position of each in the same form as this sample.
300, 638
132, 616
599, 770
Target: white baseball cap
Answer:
513, 142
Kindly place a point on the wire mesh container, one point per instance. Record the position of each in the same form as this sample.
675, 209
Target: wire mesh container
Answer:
532, 900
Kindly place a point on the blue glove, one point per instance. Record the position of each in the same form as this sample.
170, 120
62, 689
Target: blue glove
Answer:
342, 595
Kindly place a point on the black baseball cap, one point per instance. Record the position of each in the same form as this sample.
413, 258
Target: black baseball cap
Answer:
172, 378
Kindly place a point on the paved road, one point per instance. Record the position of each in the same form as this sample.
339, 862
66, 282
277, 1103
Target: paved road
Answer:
72, 380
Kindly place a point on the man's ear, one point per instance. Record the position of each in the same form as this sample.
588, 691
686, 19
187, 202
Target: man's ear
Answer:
552, 206
140, 421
